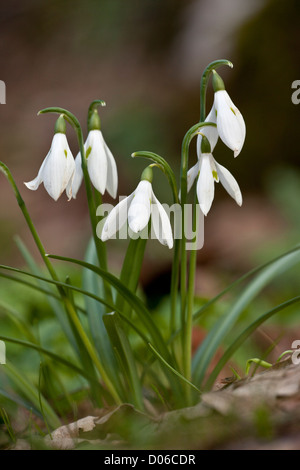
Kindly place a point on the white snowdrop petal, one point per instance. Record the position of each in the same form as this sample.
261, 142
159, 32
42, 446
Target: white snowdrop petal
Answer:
229, 183
192, 175
205, 184
34, 184
116, 218
96, 160
112, 172
57, 169
161, 223
140, 208
78, 177
230, 123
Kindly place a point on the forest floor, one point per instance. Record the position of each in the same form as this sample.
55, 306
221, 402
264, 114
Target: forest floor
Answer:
259, 412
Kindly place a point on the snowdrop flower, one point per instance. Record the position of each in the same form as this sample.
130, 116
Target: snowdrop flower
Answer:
208, 172
57, 169
137, 209
101, 164
230, 123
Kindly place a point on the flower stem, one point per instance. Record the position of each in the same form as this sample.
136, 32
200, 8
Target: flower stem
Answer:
191, 133
187, 354
174, 285
204, 82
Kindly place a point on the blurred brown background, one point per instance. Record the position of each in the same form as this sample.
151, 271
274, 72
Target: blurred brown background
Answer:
145, 59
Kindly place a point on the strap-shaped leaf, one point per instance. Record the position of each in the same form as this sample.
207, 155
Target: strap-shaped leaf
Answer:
125, 355
244, 335
216, 335
31, 393
131, 270
140, 309
95, 310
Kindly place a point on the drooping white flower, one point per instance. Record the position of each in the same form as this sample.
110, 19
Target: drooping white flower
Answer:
137, 209
210, 172
101, 165
57, 169
230, 123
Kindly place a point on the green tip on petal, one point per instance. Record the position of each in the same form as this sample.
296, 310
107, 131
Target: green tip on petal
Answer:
147, 174
215, 175
60, 125
217, 82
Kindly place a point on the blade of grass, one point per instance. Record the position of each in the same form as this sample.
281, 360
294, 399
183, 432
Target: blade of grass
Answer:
31, 393
121, 345
214, 338
17, 400
53, 356
131, 270
111, 307
237, 343
174, 371
95, 311
238, 281
56, 306
140, 309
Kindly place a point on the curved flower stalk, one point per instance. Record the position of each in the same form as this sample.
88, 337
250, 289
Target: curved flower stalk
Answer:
101, 165
58, 168
137, 209
209, 171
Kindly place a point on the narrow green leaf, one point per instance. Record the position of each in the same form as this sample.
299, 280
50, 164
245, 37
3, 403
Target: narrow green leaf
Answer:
37, 288
172, 369
18, 321
242, 338
31, 393
55, 304
67, 325
122, 347
131, 270
49, 353
138, 307
131, 298
111, 307
95, 311
20, 402
237, 282
214, 338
